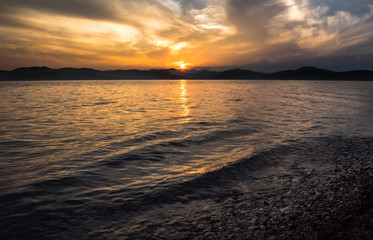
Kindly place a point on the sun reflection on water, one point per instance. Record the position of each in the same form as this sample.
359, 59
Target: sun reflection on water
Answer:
184, 113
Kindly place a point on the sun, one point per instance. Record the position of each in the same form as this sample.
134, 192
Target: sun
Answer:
181, 65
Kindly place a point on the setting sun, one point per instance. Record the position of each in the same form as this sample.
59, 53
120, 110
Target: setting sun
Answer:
182, 65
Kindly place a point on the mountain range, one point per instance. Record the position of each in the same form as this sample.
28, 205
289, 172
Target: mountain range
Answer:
303, 73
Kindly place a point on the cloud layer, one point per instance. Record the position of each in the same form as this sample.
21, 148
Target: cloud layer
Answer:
260, 34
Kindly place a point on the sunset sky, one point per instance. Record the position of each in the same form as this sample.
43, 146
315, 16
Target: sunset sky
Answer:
262, 35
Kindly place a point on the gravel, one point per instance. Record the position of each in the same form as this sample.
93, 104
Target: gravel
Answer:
323, 191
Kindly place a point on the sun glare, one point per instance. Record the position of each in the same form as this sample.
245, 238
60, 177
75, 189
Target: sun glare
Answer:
182, 65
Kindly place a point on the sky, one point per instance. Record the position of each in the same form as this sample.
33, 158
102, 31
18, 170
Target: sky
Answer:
262, 35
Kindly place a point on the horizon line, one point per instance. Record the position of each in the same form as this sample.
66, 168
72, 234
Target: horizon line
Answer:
226, 68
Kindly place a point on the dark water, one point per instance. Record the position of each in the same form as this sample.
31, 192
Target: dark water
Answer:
77, 155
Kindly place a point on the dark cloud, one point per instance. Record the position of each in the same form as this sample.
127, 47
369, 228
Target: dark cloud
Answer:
251, 18
93, 9
356, 7
187, 6
193, 4
314, 30
9, 20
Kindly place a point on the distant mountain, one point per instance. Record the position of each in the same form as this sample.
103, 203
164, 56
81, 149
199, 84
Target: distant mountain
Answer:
5, 75
45, 73
239, 74
303, 73
357, 74
312, 73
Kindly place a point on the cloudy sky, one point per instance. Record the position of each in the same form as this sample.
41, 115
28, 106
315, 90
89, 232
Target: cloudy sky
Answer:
262, 35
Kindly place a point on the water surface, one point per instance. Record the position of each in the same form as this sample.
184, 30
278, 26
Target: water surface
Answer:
77, 150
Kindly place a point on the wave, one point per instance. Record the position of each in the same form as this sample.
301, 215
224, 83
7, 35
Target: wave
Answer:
86, 185
77, 198
214, 184
153, 147
210, 184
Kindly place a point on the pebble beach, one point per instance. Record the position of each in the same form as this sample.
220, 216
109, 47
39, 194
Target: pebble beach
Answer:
328, 197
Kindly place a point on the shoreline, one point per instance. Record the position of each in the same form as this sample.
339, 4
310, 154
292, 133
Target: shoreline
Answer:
330, 202
320, 189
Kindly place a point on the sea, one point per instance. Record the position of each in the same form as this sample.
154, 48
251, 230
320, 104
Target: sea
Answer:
91, 159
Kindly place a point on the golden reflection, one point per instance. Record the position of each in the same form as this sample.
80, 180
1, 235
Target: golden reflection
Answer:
198, 171
184, 100
190, 170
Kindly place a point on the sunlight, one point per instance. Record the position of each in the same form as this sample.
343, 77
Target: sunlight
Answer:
181, 65
183, 99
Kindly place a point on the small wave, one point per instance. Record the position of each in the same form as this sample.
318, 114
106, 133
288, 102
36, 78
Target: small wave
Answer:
62, 182
211, 183
214, 183
104, 103
16, 144
219, 136
146, 138
129, 157
161, 143
206, 123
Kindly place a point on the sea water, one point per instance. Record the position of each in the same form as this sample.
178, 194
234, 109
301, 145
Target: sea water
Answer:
79, 155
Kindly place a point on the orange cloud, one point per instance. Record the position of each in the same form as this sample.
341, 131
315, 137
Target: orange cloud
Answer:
156, 34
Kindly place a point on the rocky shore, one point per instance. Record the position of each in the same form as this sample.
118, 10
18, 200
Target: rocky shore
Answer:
332, 204
313, 195
319, 189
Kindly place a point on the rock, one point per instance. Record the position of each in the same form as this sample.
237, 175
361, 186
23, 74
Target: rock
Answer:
208, 235
313, 172
285, 210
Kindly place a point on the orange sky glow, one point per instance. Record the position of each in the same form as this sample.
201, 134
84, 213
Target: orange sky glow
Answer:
183, 34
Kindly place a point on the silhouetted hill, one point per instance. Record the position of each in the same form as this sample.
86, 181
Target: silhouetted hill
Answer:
44, 73
198, 74
4, 75
303, 73
239, 74
357, 74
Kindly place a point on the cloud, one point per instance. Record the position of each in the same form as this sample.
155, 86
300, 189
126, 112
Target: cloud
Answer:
156, 33
357, 7
93, 9
188, 5
294, 30
251, 18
